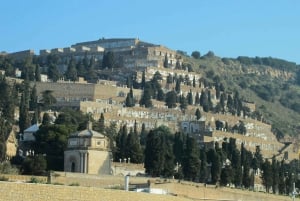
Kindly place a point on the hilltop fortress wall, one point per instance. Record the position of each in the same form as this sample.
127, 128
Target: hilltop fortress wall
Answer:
129, 53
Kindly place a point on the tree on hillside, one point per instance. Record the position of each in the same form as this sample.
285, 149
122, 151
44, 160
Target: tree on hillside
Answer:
146, 98
101, 123
46, 121
178, 146
51, 140
153, 154
203, 166
24, 119
190, 98
129, 102
183, 102
53, 72
33, 102
71, 72
246, 158
166, 61
34, 165
169, 79
108, 60
197, 99
178, 65
121, 140
143, 83
191, 160
267, 175
257, 159
216, 163
111, 132
196, 54
47, 99
177, 86
275, 175
37, 73
133, 148
158, 152
171, 99
194, 82
198, 114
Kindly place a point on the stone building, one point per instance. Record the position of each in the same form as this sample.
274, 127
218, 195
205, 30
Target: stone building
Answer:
129, 52
88, 152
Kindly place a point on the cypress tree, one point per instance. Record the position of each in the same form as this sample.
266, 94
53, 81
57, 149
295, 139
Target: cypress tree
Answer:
197, 99
153, 157
101, 123
190, 98
37, 73
191, 160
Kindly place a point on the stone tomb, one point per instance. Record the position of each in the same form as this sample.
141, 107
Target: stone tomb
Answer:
88, 152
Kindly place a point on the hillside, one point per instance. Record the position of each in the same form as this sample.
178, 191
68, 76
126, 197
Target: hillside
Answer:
274, 88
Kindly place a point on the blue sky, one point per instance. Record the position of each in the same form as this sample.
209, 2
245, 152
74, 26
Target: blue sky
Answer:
229, 28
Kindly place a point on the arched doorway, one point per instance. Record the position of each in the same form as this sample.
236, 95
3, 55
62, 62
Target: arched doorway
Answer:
73, 167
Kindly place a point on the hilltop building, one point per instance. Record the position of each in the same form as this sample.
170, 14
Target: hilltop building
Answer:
129, 53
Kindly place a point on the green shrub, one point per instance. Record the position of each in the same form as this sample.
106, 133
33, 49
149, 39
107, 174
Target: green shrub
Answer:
74, 184
35, 180
3, 178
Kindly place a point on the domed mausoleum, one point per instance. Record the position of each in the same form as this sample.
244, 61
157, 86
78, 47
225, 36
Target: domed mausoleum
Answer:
87, 152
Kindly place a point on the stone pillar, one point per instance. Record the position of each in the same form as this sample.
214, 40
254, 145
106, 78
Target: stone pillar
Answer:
85, 162
81, 162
